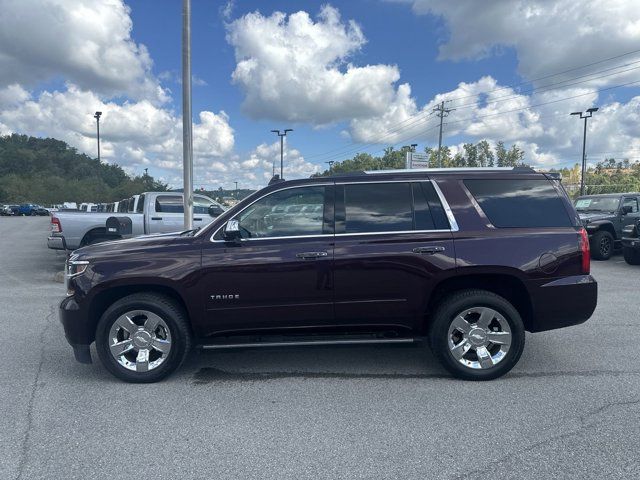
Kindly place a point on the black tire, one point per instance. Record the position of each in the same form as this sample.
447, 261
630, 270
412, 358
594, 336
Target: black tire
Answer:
169, 311
450, 308
631, 255
602, 244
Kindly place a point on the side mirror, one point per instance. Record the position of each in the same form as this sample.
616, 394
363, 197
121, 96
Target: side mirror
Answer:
232, 231
626, 209
215, 210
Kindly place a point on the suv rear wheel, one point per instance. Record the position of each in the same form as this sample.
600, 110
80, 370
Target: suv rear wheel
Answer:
143, 338
477, 335
602, 245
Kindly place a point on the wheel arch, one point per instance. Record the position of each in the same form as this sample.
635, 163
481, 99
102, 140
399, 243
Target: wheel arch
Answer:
506, 284
105, 298
605, 226
96, 232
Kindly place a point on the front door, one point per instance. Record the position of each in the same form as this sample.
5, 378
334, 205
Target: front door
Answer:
278, 276
632, 217
392, 241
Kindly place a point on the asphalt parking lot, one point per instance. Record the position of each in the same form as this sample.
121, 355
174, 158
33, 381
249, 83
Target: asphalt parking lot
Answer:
569, 409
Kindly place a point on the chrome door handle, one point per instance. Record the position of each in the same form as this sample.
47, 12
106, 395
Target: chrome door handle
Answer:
428, 250
310, 255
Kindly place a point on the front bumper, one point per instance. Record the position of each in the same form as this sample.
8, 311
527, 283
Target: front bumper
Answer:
76, 328
563, 302
56, 242
631, 243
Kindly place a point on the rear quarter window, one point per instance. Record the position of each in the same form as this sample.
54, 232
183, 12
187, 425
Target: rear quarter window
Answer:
519, 203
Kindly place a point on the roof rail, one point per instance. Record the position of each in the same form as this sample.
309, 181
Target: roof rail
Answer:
518, 169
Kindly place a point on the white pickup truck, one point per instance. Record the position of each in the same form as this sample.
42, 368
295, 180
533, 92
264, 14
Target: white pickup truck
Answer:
154, 212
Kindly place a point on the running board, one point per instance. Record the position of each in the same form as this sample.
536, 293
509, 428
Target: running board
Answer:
293, 343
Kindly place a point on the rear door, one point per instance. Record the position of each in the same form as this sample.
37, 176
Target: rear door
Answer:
393, 240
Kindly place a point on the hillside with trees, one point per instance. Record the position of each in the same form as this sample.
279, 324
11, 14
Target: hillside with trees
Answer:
48, 171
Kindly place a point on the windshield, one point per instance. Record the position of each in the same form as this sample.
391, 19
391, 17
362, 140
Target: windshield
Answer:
597, 204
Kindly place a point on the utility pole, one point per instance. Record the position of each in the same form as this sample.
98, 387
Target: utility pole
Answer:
97, 117
584, 143
441, 112
146, 172
187, 133
273, 173
236, 190
282, 135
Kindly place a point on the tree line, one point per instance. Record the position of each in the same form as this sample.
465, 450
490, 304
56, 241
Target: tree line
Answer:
48, 171
480, 154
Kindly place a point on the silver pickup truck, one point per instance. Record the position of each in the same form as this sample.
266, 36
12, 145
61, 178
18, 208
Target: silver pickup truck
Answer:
152, 212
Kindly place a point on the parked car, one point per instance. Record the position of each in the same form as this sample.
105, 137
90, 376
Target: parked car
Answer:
604, 217
41, 211
27, 209
156, 212
13, 210
468, 259
5, 210
631, 243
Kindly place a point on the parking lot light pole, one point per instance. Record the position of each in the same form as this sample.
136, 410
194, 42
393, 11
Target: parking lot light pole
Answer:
282, 135
97, 117
584, 143
187, 134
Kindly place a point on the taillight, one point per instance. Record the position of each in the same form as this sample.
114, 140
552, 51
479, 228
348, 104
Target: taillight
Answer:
586, 253
56, 226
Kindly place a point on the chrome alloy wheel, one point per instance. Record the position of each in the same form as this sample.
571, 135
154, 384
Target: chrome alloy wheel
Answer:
479, 338
139, 340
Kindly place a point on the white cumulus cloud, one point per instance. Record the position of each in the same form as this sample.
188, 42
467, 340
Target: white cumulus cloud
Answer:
296, 69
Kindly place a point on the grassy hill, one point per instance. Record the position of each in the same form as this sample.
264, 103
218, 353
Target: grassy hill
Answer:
47, 171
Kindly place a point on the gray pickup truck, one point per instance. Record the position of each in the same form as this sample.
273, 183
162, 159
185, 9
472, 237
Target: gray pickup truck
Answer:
154, 212
604, 217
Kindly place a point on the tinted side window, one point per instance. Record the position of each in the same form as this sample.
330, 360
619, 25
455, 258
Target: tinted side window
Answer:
285, 213
519, 203
140, 205
201, 205
378, 207
169, 204
631, 202
426, 198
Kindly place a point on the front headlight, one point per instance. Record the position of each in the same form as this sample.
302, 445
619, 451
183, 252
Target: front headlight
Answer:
76, 267
72, 269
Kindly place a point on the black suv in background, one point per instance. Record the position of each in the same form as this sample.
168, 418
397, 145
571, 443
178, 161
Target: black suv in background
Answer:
605, 217
466, 259
631, 243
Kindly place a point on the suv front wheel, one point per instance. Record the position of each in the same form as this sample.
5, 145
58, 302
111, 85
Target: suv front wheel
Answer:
477, 335
143, 337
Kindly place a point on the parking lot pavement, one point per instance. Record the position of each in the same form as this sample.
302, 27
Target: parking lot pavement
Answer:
568, 410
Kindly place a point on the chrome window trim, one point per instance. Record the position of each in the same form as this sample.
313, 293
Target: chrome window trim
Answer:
445, 205
447, 209
266, 195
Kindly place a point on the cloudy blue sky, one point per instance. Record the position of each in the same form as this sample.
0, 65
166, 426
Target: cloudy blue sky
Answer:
347, 76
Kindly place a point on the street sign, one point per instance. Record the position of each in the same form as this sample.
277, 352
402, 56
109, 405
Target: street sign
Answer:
417, 160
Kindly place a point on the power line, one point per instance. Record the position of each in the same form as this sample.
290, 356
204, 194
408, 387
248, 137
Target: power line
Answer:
416, 118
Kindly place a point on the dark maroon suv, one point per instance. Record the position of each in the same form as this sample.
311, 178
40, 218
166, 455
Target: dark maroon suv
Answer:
466, 259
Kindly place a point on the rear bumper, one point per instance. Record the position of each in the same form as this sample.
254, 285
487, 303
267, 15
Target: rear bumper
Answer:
563, 302
56, 242
631, 243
